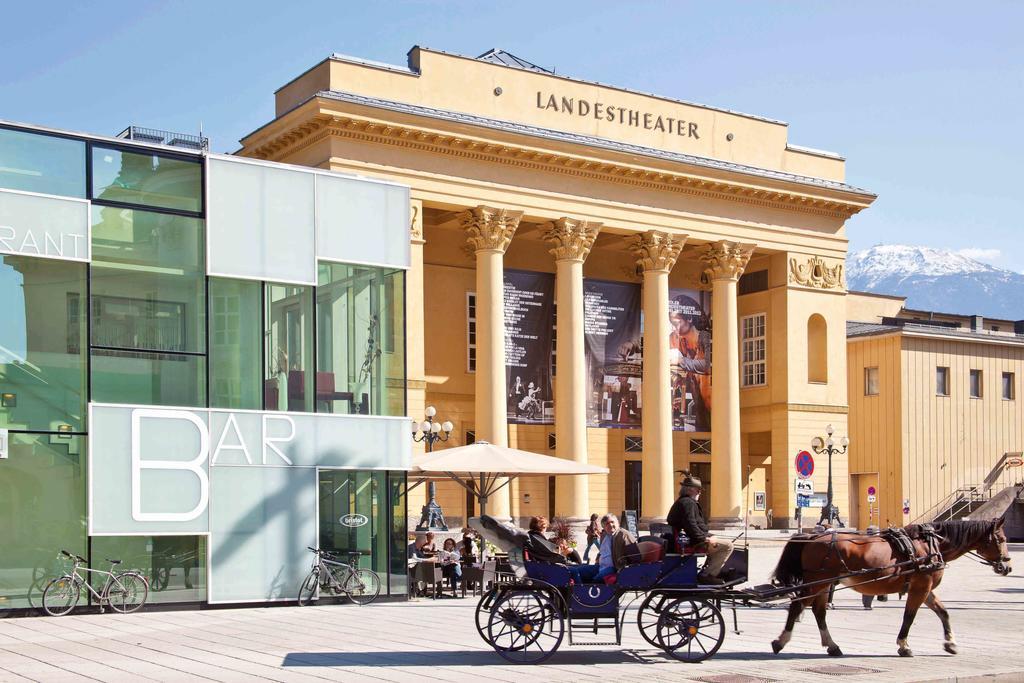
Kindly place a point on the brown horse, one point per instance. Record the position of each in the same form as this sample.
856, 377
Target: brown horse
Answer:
869, 565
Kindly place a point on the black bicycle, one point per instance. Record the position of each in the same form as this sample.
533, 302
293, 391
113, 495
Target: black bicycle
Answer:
330, 576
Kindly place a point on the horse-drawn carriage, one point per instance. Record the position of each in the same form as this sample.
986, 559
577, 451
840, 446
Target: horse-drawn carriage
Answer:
527, 619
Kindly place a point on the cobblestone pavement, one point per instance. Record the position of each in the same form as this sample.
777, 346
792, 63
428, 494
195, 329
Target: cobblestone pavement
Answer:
428, 640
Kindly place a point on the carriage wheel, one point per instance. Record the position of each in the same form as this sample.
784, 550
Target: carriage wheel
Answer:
649, 614
691, 630
483, 611
524, 627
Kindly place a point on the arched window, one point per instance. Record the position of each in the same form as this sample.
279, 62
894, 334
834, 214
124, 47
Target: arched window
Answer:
817, 349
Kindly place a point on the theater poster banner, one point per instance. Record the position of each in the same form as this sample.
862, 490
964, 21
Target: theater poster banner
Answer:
614, 353
529, 320
690, 356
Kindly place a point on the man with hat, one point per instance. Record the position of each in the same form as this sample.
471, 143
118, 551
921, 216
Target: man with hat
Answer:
687, 516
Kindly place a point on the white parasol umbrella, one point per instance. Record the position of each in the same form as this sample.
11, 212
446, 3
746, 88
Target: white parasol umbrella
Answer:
483, 468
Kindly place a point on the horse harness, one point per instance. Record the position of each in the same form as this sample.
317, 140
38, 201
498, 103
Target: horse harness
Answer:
905, 554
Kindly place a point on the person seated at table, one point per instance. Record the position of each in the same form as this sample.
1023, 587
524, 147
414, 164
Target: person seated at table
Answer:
613, 556
428, 548
567, 551
539, 547
415, 550
448, 558
466, 550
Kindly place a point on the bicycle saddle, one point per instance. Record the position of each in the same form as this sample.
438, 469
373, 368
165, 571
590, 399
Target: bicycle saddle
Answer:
113, 561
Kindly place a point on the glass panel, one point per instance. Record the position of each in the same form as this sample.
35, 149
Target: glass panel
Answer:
353, 516
360, 340
146, 179
289, 348
263, 220
148, 378
235, 329
42, 329
174, 244
42, 163
174, 565
398, 576
261, 520
362, 222
42, 505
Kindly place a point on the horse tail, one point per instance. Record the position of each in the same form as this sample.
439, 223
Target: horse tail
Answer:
790, 569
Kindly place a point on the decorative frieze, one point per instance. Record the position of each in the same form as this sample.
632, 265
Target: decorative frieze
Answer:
488, 228
657, 251
572, 239
815, 272
725, 260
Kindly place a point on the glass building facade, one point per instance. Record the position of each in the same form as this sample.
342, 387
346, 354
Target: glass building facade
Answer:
119, 296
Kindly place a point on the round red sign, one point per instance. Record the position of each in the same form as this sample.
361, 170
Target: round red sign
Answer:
871, 490
804, 464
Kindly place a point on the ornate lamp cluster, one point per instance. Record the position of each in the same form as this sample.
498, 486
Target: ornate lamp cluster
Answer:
430, 432
830, 513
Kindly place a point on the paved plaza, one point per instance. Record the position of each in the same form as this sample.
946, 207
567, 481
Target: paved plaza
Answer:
429, 640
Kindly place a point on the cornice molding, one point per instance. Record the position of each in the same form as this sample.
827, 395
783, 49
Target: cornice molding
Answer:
321, 125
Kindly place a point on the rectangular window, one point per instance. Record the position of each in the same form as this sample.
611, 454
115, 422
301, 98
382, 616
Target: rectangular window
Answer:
976, 382
288, 333
470, 436
942, 381
752, 349
1009, 391
470, 332
551, 441
47, 164
871, 381
634, 444
700, 446
175, 566
236, 328
162, 379
360, 361
42, 364
146, 180
554, 338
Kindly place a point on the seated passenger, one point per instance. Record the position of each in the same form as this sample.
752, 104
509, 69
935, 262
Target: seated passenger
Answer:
567, 551
687, 516
613, 555
539, 547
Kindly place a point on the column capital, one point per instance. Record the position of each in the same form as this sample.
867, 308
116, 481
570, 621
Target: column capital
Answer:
657, 251
488, 228
725, 260
572, 239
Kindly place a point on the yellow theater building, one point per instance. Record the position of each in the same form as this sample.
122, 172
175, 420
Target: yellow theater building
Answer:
578, 251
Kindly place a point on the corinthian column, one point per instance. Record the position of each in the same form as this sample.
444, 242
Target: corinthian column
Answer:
489, 231
572, 240
724, 263
656, 254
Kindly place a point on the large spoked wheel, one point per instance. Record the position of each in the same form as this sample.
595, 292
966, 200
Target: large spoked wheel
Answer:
308, 590
691, 630
649, 614
525, 627
363, 586
483, 611
61, 595
128, 592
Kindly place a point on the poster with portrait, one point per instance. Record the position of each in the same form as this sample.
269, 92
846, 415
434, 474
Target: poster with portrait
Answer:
529, 319
689, 312
614, 353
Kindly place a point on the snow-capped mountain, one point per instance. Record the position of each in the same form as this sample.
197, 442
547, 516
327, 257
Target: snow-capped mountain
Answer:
937, 280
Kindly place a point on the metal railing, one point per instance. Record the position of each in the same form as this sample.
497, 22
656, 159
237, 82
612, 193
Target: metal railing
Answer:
164, 137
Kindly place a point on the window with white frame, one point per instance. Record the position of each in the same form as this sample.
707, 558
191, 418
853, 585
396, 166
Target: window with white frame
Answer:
753, 365
470, 331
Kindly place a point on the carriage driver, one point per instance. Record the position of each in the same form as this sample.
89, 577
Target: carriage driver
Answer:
686, 516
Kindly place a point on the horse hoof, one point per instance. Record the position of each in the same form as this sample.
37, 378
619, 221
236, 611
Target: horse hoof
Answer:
906, 652
950, 648
834, 651
776, 646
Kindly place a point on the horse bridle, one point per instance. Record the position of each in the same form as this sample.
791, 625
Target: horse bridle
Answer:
998, 565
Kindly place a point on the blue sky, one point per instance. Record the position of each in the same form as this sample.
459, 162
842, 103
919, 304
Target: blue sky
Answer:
925, 100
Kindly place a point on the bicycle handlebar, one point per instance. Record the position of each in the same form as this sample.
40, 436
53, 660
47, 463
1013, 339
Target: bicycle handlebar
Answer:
72, 556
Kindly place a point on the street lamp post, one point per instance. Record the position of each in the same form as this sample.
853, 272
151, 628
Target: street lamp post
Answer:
429, 433
829, 513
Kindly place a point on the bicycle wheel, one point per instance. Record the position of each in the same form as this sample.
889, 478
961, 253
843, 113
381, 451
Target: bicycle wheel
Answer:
61, 595
308, 589
127, 592
363, 586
